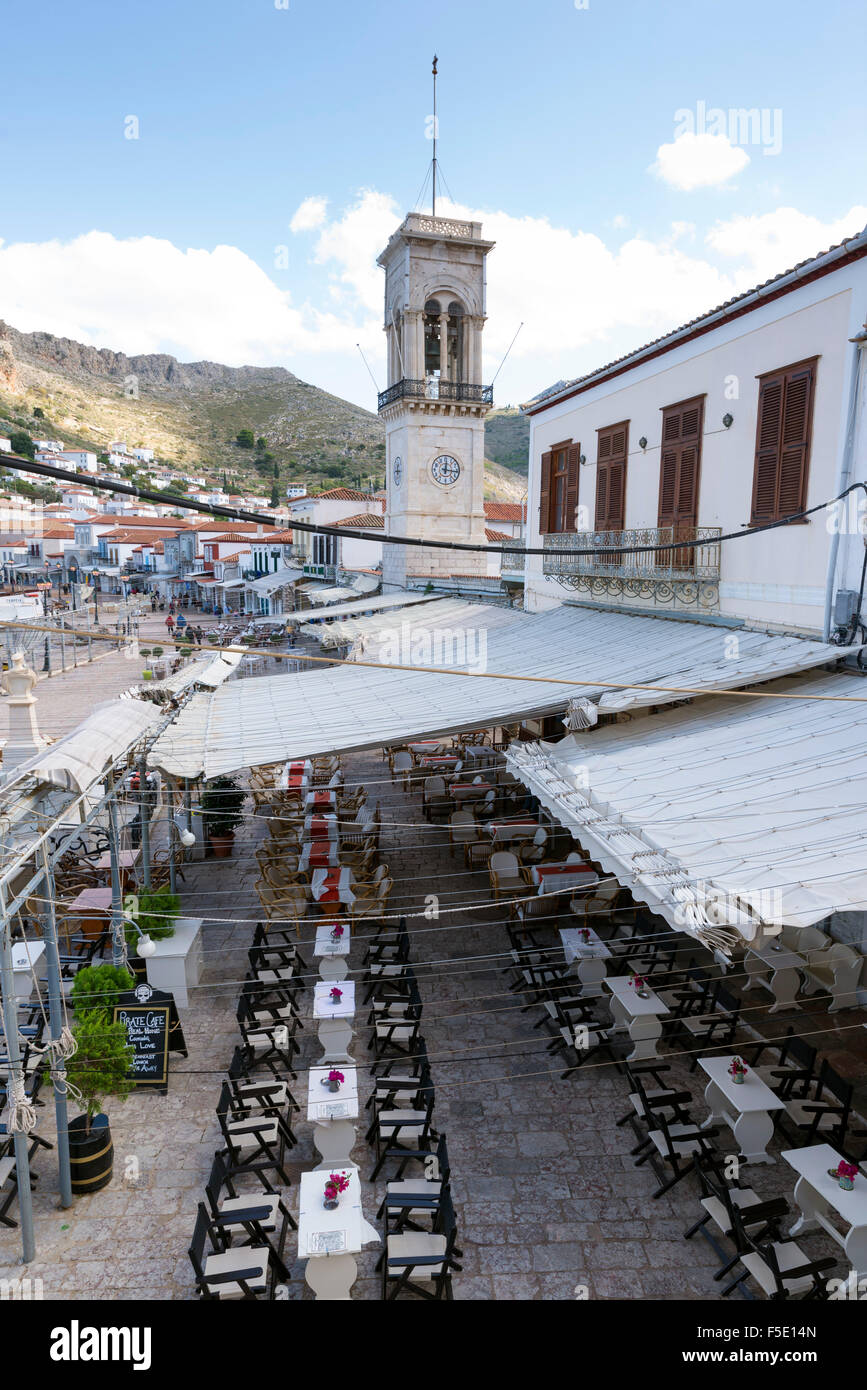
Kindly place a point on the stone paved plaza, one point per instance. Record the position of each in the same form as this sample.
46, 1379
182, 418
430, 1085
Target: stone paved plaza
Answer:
548, 1200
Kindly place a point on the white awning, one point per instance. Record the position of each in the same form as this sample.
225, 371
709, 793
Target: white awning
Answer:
328, 593
376, 603
208, 670
269, 582
527, 665
80, 759
738, 811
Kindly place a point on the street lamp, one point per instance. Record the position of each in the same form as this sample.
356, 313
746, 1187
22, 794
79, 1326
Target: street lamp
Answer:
95, 576
46, 659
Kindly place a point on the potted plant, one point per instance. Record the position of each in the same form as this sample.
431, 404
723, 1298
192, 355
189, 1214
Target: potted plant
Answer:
97, 988
97, 1070
639, 985
335, 1183
334, 1080
222, 800
737, 1071
845, 1173
147, 673
155, 913
335, 995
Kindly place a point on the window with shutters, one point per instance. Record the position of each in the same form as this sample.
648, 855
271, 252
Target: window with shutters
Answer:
558, 494
679, 469
783, 430
611, 451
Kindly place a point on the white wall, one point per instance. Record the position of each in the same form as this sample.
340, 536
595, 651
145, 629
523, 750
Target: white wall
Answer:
777, 579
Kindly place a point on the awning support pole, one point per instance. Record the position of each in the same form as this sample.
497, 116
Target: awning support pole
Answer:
55, 1012
16, 1080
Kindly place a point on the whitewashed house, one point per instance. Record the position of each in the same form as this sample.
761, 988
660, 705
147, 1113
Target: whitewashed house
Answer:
748, 414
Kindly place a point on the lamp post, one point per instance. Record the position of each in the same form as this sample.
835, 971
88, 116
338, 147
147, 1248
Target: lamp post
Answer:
95, 576
46, 660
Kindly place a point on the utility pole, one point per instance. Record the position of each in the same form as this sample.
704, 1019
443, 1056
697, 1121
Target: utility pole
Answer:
15, 1084
55, 1013
118, 943
144, 811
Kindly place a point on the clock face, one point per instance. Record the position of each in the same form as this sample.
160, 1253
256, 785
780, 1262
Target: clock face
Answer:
445, 469
397, 471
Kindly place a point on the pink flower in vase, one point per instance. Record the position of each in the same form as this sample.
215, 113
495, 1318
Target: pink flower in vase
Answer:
336, 1076
336, 995
336, 933
337, 1182
847, 1170
638, 981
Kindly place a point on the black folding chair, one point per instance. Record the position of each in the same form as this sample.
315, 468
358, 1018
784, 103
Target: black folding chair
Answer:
422, 1261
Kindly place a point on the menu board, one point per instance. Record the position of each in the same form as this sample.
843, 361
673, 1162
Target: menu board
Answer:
147, 1029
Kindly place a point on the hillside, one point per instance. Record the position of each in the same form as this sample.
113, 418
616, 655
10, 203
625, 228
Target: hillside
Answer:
190, 414
507, 439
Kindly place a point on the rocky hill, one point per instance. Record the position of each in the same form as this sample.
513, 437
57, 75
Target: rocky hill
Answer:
190, 413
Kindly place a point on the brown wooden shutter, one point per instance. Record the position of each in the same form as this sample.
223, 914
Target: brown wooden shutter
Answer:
769, 431
797, 417
783, 430
679, 464
572, 466
612, 449
545, 494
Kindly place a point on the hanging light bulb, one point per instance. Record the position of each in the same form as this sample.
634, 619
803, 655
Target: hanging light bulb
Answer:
146, 947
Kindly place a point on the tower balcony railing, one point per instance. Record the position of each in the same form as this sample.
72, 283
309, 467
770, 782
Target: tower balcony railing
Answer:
697, 559
434, 389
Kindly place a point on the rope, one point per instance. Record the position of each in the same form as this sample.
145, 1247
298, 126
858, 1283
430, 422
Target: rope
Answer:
20, 1113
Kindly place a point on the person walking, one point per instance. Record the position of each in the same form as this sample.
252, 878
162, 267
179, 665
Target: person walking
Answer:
182, 622
170, 624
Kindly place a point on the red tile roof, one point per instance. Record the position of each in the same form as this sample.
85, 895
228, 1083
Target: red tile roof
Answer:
337, 494
369, 521
497, 535
503, 511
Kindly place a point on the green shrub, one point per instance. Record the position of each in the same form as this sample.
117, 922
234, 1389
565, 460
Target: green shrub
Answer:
97, 988
100, 1067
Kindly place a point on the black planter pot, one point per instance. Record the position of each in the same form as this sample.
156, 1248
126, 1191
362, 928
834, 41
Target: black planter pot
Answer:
91, 1156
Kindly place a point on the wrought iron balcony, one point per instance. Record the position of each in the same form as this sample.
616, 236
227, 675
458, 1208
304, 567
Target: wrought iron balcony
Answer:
698, 559
512, 558
433, 389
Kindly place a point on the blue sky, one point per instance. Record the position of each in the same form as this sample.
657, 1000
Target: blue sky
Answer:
558, 126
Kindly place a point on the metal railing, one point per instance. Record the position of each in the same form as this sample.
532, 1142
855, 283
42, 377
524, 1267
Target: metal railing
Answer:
433, 389
699, 559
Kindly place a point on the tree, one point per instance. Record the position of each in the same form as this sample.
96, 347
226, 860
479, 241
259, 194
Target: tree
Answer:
38, 413
275, 496
261, 444
22, 444
100, 1067
276, 469
244, 439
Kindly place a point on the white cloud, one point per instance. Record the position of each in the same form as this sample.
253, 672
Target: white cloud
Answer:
774, 241
698, 161
582, 301
310, 215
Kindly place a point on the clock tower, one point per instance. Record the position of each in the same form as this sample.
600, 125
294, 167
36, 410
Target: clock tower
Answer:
435, 404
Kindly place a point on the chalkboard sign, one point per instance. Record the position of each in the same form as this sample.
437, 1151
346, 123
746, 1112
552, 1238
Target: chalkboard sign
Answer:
145, 993
147, 1028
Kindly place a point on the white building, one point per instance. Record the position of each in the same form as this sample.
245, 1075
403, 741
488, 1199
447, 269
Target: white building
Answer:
293, 490
327, 509
748, 414
80, 458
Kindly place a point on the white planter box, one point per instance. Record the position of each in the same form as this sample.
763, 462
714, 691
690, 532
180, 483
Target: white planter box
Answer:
177, 964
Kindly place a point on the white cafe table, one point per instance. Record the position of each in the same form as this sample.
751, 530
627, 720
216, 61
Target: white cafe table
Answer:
328, 1240
590, 956
784, 981
819, 1196
332, 1113
563, 877
335, 1020
333, 954
640, 1017
744, 1106
26, 962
